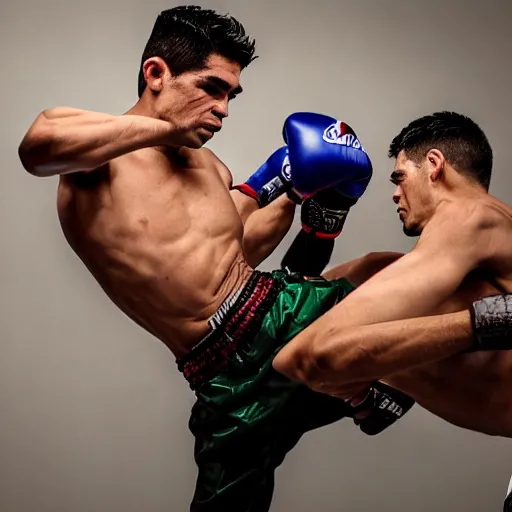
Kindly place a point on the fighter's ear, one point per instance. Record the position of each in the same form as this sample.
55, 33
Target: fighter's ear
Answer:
435, 164
155, 73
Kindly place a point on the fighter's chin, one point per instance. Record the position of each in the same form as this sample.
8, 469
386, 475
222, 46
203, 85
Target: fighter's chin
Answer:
412, 230
196, 143
197, 138
204, 135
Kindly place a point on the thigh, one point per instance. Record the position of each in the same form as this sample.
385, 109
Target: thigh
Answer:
248, 417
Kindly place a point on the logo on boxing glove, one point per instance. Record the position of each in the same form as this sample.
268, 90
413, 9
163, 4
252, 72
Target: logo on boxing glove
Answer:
337, 133
274, 187
390, 405
322, 219
286, 169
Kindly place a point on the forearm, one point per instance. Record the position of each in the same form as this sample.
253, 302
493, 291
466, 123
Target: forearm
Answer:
371, 352
265, 228
64, 140
394, 346
411, 287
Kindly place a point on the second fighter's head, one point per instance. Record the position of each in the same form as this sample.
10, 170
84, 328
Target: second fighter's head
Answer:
190, 69
438, 155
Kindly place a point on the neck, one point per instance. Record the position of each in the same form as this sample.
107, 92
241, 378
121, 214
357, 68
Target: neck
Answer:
456, 187
452, 189
144, 107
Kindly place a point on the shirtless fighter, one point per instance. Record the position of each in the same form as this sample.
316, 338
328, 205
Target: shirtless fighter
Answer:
151, 215
437, 322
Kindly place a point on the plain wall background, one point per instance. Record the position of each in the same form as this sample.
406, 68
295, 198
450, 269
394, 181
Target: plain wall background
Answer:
93, 412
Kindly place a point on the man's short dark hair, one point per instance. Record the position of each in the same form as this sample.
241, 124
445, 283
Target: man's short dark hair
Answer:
185, 36
462, 142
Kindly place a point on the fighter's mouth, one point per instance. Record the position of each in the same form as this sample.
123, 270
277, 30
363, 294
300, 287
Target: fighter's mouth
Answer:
212, 127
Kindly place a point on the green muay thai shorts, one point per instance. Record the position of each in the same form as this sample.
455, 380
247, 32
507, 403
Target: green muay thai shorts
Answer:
247, 416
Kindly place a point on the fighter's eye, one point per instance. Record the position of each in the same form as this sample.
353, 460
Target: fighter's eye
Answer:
212, 90
396, 178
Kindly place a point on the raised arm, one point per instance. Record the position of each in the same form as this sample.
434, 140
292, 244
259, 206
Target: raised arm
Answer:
64, 140
322, 217
335, 349
321, 153
266, 220
266, 227
472, 392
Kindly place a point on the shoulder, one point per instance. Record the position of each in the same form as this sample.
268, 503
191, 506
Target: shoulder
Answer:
212, 159
466, 216
365, 267
205, 158
467, 225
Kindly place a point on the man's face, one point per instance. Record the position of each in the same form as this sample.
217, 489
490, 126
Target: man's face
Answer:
197, 101
413, 194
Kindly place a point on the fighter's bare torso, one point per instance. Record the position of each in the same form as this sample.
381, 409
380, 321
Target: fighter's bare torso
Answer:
455, 388
161, 236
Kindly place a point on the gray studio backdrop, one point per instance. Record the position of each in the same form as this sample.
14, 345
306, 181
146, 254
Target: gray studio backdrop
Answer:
93, 412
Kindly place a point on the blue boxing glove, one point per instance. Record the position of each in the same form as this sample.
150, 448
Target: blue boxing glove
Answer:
323, 214
270, 180
325, 153
320, 152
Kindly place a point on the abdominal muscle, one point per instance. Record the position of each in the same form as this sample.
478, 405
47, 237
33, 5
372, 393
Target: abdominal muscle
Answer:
164, 243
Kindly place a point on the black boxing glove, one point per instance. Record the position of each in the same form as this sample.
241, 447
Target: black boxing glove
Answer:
322, 216
491, 319
383, 406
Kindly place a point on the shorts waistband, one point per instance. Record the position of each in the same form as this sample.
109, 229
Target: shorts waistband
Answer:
233, 326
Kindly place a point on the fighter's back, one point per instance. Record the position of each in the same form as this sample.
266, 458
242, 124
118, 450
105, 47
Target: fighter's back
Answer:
499, 261
161, 236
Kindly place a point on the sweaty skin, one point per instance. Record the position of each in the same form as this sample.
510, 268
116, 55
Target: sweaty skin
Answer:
161, 235
464, 253
465, 239
469, 390
148, 210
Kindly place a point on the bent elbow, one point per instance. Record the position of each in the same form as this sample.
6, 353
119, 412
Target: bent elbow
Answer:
44, 150
339, 362
298, 365
30, 160
322, 364
41, 166
325, 358
34, 150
